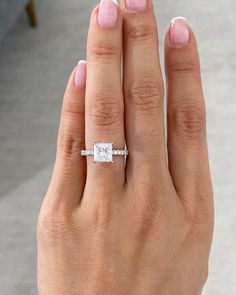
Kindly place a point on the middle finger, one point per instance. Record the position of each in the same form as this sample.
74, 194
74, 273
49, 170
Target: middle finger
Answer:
143, 90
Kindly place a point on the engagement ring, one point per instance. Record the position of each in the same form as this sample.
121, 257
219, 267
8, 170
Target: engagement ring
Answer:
103, 152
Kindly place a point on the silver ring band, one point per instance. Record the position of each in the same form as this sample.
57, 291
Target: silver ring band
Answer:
114, 153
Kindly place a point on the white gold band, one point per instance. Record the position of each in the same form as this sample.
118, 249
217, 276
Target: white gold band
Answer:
114, 153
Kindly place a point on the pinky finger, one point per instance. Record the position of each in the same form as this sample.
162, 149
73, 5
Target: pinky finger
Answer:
68, 178
187, 142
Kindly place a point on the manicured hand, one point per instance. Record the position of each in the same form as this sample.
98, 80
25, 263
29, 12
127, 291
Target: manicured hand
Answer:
144, 228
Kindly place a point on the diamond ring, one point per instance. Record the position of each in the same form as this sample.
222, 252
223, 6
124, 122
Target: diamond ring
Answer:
103, 152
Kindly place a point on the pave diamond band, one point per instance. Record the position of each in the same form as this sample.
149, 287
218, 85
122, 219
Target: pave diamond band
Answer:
103, 152
114, 153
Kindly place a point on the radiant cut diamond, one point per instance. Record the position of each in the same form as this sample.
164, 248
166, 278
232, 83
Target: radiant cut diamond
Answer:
103, 152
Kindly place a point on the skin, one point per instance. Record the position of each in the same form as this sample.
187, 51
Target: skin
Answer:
144, 228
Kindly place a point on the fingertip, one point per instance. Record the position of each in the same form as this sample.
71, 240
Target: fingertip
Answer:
108, 13
181, 50
179, 34
136, 6
80, 74
106, 16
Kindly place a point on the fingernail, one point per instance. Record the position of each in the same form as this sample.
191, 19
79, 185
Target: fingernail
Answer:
179, 32
136, 5
80, 74
108, 13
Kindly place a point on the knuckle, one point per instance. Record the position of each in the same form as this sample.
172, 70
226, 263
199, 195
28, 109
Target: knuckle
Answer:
70, 143
102, 216
142, 32
150, 216
106, 111
103, 210
53, 226
189, 119
149, 223
104, 52
148, 220
71, 108
186, 68
146, 95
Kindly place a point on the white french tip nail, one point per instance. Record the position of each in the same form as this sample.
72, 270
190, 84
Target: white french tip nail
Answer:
82, 62
178, 18
114, 1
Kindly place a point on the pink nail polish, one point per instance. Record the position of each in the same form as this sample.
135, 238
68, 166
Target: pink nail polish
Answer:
179, 32
136, 5
108, 13
80, 74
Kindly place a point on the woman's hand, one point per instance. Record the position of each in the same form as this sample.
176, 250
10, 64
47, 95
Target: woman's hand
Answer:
144, 228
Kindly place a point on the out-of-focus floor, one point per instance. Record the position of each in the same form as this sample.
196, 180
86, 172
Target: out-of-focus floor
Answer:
34, 67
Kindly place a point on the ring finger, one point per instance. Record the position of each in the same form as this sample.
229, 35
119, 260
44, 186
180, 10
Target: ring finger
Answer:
104, 117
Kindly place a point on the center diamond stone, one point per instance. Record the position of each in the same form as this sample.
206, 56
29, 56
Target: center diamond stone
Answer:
102, 152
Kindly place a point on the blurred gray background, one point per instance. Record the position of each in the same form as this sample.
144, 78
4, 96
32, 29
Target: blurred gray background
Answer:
34, 68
